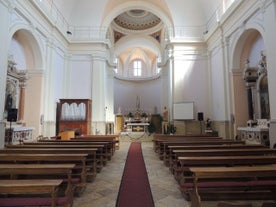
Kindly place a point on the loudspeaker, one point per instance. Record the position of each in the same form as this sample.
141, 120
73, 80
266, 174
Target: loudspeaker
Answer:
200, 116
12, 115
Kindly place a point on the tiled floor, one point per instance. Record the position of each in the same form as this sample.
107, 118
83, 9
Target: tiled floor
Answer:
102, 192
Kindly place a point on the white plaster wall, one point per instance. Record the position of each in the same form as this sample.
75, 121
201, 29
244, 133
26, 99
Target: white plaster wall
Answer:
57, 78
149, 93
80, 77
255, 52
217, 85
269, 39
191, 83
16, 50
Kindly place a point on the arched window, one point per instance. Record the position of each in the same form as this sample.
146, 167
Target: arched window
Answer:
137, 68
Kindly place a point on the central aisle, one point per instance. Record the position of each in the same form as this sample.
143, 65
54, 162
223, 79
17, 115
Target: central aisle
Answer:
103, 191
135, 189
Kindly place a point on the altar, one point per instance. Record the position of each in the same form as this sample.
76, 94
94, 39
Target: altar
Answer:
137, 127
133, 125
16, 135
255, 135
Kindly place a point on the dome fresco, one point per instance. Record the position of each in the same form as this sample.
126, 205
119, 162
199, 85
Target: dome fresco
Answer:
137, 19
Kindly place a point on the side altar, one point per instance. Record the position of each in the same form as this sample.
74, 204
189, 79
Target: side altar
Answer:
256, 83
18, 134
256, 134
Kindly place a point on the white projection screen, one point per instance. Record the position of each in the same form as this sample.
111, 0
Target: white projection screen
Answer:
183, 111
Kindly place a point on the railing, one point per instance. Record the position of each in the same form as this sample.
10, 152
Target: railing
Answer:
89, 33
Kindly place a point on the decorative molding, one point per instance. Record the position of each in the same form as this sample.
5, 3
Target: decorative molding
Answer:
140, 79
137, 19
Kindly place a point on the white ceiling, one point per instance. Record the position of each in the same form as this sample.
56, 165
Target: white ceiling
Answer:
94, 12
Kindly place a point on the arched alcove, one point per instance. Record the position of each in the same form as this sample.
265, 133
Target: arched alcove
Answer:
247, 48
250, 87
25, 54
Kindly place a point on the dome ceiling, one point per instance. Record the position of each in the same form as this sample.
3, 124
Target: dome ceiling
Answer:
137, 19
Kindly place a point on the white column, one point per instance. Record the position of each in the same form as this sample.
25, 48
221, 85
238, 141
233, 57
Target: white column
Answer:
109, 96
66, 75
4, 37
171, 88
98, 95
165, 86
49, 103
269, 39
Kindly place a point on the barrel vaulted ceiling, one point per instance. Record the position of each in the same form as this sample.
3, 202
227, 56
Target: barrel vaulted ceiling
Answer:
142, 25
94, 12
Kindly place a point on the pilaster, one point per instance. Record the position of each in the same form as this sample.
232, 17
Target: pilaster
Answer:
4, 36
99, 90
269, 37
49, 108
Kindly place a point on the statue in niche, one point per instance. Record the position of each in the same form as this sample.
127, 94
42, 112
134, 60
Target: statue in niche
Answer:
262, 64
264, 98
10, 96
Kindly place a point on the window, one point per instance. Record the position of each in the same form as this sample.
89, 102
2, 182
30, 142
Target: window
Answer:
137, 68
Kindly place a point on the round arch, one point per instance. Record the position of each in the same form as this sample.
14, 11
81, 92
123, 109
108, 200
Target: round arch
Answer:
32, 52
31, 41
240, 41
118, 9
245, 47
138, 41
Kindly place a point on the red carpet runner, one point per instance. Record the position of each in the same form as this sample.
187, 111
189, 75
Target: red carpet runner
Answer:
135, 188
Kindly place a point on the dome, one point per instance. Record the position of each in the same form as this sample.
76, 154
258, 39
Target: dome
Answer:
137, 19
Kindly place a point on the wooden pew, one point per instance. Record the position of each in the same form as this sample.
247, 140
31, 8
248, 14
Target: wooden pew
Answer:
163, 154
93, 165
100, 153
247, 182
103, 147
34, 187
79, 172
109, 144
224, 152
158, 141
50, 170
182, 174
173, 158
165, 137
112, 138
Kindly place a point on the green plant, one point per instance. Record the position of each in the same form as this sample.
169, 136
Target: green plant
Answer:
151, 128
171, 129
